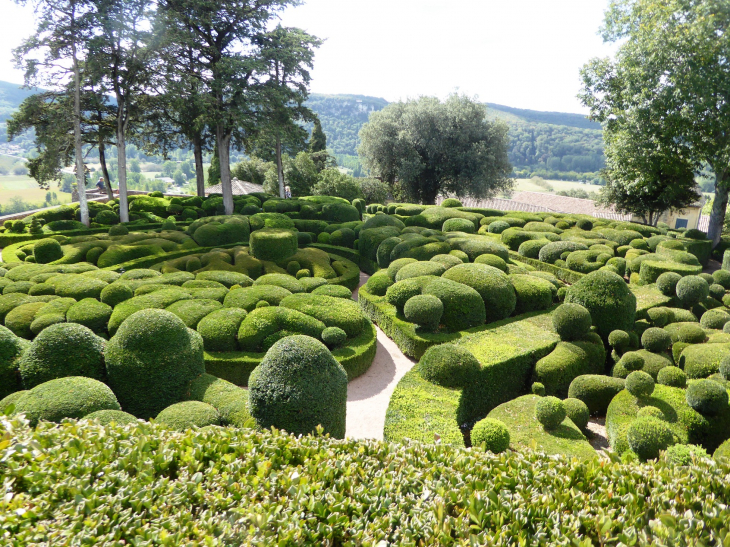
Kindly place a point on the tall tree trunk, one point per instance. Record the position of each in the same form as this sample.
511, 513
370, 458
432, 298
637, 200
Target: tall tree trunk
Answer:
279, 167
122, 161
199, 172
224, 143
105, 169
80, 171
719, 206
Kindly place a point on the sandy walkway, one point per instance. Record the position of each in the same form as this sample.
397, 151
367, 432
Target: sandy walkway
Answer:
369, 395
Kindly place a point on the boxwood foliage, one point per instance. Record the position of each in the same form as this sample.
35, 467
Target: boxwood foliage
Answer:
70, 397
596, 391
448, 365
332, 311
299, 386
262, 327
142, 458
11, 350
493, 286
151, 361
63, 349
189, 414
568, 361
608, 299
463, 306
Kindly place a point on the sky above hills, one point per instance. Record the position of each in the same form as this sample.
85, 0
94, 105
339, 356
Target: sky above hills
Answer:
521, 53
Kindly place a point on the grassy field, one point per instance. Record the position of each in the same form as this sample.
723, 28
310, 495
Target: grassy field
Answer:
525, 185
27, 189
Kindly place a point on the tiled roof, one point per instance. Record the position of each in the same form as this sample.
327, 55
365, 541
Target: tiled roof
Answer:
565, 204
239, 188
501, 205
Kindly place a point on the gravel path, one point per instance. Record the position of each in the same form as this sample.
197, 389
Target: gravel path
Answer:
368, 396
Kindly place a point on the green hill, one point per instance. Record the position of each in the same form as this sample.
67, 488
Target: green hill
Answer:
553, 145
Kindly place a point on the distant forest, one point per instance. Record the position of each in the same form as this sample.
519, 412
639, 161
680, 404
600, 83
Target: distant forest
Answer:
552, 145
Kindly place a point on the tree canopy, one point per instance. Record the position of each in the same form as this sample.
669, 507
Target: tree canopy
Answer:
672, 69
426, 147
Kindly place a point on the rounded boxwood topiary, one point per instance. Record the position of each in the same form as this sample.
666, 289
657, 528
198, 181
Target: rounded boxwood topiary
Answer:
651, 412
492, 260
334, 337
219, 329
691, 334
273, 244
607, 298
571, 321
596, 391
61, 350
151, 361
90, 313
492, 434
648, 436
533, 293
692, 290
458, 225
578, 412
538, 388
417, 269
116, 293
463, 305
70, 397
498, 226
336, 291
725, 368
667, 283
619, 340
11, 350
717, 292
685, 454
298, 386
640, 384
707, 397
47, 250
449, 365
188, 414
118, 230
672, 376
659, 317
550, 412
656, 340
106, 417
714, 319
631, 361
722, 278
424, 310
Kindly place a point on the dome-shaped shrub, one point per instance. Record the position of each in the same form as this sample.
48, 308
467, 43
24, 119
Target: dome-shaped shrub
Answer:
640, 384
417, 269
672, 376
449, 365
498, 226
685, 454
667, 283
691, 334
619, 340
493, 286
451, 202
532, 293
725, 368
70, 397
578, 412
106, 417
722, 277
90, 313
116, 293
47, 250
659, 317
11, 350
651, 412
492, 260
188, 414
63, 349
458, 225
492, 434
571, 321
298, 386
631, 361
596, 391
607, 298
692, 290
151, 361
648, 436
538, 388
464, 306
717, 292
584, 224
336, 291
219, 329
550, 412
273, 244
714, 319
656, 340
118, 230
424, 310
334, 337
707, 397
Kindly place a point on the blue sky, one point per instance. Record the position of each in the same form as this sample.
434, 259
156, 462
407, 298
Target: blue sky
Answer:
521, 53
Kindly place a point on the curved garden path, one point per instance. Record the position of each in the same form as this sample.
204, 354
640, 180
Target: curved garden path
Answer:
368, 395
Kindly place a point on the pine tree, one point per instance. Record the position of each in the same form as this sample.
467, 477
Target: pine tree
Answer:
318, 141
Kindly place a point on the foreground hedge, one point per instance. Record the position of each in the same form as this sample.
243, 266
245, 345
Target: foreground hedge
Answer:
220, 486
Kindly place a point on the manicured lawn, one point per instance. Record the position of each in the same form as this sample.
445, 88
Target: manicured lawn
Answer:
524, 185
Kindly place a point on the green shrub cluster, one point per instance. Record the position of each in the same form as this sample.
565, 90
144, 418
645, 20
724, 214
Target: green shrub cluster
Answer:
492, 434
